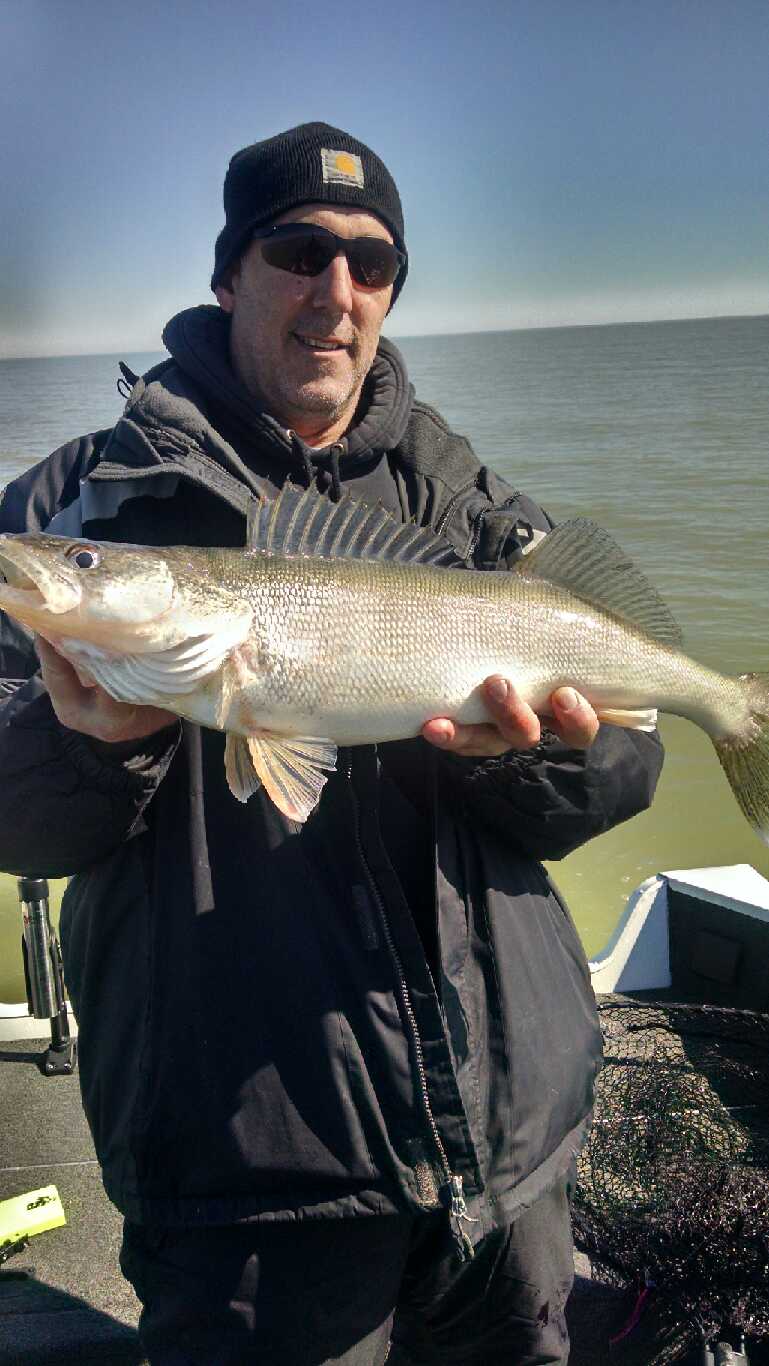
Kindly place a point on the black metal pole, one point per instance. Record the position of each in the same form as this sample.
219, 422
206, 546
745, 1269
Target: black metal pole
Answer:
44, 976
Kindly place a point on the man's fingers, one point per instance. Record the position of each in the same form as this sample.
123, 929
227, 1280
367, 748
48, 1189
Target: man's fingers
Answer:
514, 718
513, 725
59, 676
573, 718
481, 740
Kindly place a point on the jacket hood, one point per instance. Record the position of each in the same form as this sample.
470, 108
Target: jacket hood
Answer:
198, 340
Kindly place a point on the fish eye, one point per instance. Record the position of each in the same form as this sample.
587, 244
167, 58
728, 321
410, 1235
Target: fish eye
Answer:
83, 556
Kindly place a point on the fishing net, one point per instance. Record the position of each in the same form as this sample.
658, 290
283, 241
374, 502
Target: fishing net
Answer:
672, 1197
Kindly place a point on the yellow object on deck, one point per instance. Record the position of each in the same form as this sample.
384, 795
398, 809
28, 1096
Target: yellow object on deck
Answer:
31, 1213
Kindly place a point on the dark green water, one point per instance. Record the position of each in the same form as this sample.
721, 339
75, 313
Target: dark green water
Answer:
660, 431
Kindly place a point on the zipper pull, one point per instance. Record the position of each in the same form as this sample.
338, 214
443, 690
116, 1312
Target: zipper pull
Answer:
457, 1215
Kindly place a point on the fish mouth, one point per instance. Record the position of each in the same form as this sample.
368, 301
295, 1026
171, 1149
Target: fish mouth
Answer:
28, 586
13, 577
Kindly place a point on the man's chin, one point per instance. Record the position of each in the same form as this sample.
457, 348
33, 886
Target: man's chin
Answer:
323, 399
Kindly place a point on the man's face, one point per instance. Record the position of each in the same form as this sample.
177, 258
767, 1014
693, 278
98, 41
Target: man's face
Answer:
303, 345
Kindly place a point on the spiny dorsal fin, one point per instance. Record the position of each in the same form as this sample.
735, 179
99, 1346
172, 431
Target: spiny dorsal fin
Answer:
584, 559
305, 522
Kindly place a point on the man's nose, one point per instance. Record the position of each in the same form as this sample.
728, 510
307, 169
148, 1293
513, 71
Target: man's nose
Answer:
334, 287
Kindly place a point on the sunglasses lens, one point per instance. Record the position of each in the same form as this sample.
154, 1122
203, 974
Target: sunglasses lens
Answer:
308, 251
373, 263
304, 253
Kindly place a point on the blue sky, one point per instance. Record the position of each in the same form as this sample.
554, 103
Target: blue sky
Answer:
592, 161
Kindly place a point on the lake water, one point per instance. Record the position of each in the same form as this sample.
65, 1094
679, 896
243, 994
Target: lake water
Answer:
659, 431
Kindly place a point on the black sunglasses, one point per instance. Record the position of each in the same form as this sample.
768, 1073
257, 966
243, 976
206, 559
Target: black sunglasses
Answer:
307, 249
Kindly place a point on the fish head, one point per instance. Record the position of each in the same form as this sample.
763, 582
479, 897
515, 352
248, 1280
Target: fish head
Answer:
89, 590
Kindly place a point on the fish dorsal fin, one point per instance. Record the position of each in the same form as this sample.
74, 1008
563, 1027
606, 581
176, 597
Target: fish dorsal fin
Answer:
305, 522
585, 560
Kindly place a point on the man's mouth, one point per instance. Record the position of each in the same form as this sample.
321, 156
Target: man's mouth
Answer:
311, 343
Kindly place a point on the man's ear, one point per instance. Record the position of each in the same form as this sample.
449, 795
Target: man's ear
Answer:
224, 294
225, 290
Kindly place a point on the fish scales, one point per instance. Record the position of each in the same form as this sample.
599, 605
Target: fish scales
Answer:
375, 649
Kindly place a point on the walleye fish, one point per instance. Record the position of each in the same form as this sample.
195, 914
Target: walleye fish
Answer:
335, 625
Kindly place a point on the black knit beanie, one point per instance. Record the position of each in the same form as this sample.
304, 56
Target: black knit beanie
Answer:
309, 164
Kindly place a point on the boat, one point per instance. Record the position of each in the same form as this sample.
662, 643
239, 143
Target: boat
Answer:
695, 935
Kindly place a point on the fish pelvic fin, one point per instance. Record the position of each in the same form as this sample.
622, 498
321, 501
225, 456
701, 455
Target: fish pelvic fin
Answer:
242, 778
744, 755
290, 768
582, 558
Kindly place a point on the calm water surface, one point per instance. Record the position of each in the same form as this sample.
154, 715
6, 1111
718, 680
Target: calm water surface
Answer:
660, 431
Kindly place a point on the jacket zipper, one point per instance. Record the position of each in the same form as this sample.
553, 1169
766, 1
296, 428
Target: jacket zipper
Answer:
452, 1183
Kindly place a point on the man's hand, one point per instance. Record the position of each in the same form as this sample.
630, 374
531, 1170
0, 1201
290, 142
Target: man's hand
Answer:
87, 708
515, 725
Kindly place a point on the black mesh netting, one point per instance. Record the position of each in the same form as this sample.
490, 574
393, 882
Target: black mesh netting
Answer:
673, 1186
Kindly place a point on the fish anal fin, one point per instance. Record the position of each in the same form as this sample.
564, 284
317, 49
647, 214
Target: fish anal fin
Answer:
292, 769
242, 777
582, 558
631, 720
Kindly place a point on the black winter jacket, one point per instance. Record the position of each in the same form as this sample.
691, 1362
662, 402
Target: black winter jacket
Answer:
261, 1034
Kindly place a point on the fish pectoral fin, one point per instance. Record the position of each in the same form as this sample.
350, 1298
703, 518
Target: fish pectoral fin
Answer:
182, 668
242, 778
292, 769
631, 720
116, 674
172, 672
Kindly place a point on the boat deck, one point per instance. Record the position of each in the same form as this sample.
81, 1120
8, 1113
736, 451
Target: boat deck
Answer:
75, 1306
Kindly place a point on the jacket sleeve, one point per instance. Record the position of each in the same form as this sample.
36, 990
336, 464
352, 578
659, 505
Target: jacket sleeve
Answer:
65, 801
550, 799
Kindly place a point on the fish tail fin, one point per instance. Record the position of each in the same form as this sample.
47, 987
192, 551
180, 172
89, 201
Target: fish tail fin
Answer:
744, 754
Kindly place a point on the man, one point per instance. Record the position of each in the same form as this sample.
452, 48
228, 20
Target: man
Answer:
336, 1073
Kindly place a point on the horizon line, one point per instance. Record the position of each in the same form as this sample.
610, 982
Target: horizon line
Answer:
416, 336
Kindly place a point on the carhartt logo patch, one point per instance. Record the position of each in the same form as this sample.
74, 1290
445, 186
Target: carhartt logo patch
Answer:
341, 168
